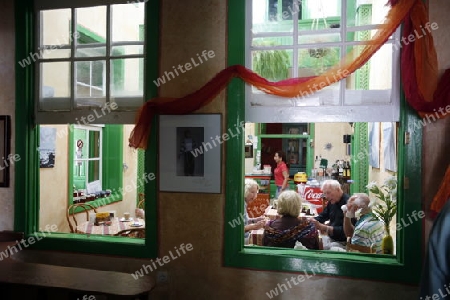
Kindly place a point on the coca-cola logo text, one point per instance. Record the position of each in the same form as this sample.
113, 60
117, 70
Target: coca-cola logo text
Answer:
309, 194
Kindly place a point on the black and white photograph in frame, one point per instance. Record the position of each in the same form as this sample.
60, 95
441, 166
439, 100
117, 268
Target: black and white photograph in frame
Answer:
47, 148
190, 155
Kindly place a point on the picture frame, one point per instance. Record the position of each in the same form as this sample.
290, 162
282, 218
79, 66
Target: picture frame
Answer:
5, 150
190, 153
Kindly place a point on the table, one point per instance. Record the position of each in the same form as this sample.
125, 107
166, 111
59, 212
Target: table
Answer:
271, 213
114, 228
80, 281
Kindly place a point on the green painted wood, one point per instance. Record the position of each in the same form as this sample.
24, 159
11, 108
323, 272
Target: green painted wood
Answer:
404, 267
27, 169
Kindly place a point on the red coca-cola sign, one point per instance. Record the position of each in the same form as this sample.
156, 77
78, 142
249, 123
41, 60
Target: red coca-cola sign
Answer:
314, 196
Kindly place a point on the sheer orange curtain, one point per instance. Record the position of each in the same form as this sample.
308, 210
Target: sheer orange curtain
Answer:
402, 10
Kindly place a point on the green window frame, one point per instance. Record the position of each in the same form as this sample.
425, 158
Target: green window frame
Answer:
405, 267
26, 209
111, 157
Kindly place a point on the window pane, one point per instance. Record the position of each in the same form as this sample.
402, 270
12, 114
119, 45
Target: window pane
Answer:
127, 20
90, 82
55, 33
268, 17
375, 75
127, 80
94, 144
55, 90
316, 61
127, 50
92, 35
274, 65
94, 170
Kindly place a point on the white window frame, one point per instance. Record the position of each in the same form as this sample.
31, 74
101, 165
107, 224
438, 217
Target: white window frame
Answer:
89, 159
291, 110
125, 115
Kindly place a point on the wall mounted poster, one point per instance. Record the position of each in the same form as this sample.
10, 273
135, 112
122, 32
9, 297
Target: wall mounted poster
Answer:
47, 147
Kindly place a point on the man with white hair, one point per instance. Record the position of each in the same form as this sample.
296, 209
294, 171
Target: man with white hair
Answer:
368, 230
332, 191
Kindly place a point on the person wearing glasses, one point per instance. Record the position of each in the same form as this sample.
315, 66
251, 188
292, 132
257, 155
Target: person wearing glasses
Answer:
332, 212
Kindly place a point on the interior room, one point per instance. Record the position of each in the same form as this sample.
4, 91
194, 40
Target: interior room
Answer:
169, 50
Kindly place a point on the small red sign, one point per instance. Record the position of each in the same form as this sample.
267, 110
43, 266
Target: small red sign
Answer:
80, 144
314, 196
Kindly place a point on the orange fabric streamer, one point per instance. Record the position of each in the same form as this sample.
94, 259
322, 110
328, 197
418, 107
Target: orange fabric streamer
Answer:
285, 88
424, 52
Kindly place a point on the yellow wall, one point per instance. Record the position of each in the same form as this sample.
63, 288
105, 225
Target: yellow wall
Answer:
54, 184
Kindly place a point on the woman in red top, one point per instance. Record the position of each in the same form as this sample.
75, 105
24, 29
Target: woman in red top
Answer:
281, 172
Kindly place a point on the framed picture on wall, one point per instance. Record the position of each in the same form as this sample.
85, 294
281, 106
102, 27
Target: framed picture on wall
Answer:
190, 153
5, 150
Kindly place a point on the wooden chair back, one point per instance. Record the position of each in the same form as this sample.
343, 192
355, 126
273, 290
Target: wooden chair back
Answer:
141, 203
257, 207
132, 232
71, 214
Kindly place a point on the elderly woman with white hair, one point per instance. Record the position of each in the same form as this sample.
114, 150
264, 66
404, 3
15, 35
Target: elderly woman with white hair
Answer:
287, 230
368, 230
251, 189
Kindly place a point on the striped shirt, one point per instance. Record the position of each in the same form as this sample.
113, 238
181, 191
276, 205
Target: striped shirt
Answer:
368, 231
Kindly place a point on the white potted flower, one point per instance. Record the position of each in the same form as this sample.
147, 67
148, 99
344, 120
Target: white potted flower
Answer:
385, 208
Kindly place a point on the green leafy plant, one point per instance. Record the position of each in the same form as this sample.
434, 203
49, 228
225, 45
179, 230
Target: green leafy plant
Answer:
271, 64
386, 206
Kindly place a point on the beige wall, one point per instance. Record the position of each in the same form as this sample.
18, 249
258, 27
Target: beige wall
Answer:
198, 218
54, 183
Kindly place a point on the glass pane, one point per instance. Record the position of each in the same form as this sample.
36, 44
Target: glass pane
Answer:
127, 77
90, 79
375, 75
94, 144
54, 86
320, 14
268, 16
320, 38
127, 50
366, 14
316, 61
274, 65
127, 22
91, 29
55, 34
84, 51
93, 170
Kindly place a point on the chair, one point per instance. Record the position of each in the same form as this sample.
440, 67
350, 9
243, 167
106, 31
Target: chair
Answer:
258, 206
363, 249
132, 232
72, 211
141, 203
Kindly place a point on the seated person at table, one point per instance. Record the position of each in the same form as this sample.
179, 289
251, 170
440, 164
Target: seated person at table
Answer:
368, 230
336, 198
287, 230
250, 194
